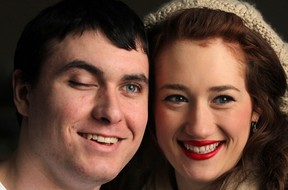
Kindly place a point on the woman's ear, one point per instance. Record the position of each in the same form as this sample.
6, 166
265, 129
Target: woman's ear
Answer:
21, 91
255, 115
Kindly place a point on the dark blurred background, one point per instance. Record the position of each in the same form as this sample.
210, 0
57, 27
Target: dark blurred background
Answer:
14, 14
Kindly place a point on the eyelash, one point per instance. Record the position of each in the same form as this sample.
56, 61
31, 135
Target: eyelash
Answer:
223, 99
175, 99
74, 83
219, 100
135, 86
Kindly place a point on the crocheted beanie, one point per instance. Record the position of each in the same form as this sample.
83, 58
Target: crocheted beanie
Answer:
251, 17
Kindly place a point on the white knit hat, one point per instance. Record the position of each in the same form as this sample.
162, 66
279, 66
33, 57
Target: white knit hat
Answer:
251, 16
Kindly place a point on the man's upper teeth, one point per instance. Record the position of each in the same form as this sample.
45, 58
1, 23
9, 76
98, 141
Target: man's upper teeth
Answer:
201, 149
102, 139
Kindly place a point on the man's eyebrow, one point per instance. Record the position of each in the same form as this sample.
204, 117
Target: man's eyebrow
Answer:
80, 64
223, 88
136, 77
99, 73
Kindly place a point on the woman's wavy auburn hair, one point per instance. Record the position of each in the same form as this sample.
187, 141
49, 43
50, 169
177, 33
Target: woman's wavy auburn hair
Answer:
265, 81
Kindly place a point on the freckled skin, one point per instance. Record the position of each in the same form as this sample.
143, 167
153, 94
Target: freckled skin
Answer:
201, 95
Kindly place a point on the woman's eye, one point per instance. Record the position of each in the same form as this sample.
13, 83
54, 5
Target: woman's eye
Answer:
176, 99
223, 99
132, 88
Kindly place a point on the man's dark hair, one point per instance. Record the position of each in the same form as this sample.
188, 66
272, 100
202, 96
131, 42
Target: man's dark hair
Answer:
120, 24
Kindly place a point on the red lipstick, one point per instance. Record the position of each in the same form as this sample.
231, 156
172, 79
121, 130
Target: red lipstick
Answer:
201, 150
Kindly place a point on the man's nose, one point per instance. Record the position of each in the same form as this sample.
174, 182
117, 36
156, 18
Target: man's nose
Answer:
107, 109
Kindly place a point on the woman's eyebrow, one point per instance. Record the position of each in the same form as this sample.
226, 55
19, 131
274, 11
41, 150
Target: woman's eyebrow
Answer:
174, 87
184, 88
223, 88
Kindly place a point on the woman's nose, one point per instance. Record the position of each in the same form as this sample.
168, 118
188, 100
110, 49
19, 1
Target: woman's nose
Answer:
199, 121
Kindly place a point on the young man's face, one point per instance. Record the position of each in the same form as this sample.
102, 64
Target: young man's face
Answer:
88, 112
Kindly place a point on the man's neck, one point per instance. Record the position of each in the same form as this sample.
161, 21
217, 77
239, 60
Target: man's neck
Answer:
18, 174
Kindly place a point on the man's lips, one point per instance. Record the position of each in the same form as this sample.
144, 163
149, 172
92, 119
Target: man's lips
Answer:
100, 138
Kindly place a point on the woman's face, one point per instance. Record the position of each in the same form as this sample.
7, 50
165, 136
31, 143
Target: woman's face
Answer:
203, 110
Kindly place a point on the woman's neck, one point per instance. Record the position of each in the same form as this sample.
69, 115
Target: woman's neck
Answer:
186, 183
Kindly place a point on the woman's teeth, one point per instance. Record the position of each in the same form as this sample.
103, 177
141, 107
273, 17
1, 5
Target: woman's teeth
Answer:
202, 149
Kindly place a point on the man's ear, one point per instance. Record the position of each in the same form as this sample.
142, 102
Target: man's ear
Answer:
21, 90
